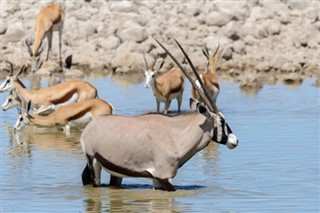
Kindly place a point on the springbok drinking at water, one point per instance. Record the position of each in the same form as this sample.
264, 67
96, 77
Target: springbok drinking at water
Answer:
50, 18
49, 99
75, 115
152, 145
165, 87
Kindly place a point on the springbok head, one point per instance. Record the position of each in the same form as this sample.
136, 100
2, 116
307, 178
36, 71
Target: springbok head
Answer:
10, 79
34, 57
12, 100
23, 117
223, 133
150, 73
205, 52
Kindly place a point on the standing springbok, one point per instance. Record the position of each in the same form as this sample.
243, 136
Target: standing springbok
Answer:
75, 115
50, 18
165, 87
48, 99
153, 145
209, 77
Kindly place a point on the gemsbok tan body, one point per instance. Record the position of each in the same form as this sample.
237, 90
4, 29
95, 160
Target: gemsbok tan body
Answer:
209, 77
50, 18
76, 115
152, 146
49, 99
166, 86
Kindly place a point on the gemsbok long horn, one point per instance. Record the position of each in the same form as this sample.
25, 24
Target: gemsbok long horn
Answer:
205, 90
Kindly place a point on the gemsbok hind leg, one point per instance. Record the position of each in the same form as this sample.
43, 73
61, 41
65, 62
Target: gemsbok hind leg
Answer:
94, 168
86, 176
97, 172
115, 181
163, 184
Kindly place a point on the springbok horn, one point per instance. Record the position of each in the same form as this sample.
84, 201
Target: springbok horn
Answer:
145, 60
29, 48
200, 92
205, 52
160, 66
214, 54
154, 63
39, 52
11, 69
206, 92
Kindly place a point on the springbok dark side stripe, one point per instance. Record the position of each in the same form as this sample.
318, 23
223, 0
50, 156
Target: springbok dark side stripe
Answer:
120, 170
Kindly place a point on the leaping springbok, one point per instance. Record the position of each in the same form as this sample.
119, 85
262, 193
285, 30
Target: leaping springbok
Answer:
152, 145
75, 115
50, 18
165, 87
209, 77
48, 99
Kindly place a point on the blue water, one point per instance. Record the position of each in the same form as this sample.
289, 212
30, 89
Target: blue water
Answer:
275, 168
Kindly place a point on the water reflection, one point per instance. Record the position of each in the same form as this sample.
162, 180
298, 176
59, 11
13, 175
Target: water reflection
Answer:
124, 200
126, 81
41, 139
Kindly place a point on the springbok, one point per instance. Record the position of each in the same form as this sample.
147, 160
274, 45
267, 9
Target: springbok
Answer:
209, 77
152, 145
50, 18
75, 115
165, 87
12, 100
46, 100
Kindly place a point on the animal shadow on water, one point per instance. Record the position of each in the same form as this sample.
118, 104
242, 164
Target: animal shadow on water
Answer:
150, 186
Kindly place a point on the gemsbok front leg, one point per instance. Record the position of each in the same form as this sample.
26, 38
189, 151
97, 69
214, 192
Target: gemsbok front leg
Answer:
154, 145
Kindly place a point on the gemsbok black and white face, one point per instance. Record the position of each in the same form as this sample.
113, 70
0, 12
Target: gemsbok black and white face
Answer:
221, 132
153, 145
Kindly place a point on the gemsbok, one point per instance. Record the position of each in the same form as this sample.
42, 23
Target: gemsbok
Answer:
152, 145
75, 115
165, 87
209, 77
46, 100
50, 18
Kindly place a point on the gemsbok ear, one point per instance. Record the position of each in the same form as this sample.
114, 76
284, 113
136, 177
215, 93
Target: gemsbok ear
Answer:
199, 107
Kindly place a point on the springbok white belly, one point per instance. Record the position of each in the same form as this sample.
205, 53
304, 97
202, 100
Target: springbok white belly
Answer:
82, 121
